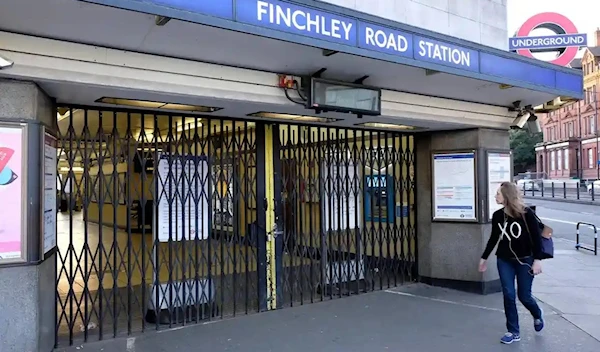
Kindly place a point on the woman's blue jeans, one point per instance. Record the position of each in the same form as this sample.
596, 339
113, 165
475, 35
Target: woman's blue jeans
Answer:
509, 269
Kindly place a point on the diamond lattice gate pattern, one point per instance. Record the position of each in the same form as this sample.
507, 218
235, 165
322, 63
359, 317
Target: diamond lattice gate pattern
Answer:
164, 218
155, 222
347, 215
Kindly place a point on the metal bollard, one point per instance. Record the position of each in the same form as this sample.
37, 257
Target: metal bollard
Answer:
578, 244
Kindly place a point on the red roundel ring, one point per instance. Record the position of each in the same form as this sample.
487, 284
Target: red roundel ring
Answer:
555, 19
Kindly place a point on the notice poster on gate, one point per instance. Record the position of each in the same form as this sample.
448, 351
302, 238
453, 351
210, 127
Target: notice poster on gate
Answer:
499, 170
182, 196
341, 187
12, 193
454, 196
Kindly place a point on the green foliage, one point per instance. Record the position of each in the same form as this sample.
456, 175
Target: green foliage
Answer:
523, 144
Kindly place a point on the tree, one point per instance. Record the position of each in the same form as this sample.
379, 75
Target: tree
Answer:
523, 144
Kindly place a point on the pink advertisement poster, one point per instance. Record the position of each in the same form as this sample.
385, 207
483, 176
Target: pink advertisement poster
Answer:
11, 192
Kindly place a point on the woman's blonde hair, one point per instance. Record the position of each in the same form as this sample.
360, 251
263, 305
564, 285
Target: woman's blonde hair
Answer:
512, 200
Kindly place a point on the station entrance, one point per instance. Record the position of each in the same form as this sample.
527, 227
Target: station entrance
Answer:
168, 219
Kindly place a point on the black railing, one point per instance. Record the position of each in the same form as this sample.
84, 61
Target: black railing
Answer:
561, 190
579, 245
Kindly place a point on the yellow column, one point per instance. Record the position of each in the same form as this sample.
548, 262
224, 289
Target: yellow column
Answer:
270, 219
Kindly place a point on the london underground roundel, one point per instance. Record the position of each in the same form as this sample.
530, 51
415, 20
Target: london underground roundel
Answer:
566, 40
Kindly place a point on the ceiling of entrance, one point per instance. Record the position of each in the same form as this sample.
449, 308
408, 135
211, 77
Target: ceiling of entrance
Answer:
86, 95
104, 26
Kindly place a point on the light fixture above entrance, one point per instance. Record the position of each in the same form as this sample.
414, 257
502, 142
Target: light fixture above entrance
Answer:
146, 104
292, 117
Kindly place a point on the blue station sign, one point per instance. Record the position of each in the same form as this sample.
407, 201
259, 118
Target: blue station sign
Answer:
376, 40
309, 22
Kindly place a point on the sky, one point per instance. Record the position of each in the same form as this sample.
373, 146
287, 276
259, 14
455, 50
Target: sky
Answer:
586, 19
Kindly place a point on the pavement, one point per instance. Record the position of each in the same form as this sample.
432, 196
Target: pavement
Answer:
571, 281
415, 318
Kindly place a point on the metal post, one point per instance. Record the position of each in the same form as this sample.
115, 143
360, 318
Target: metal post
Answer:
270, 223
579, 156
596, 132
579, 245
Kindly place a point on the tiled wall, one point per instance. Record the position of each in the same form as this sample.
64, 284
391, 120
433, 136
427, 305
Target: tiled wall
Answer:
480, 21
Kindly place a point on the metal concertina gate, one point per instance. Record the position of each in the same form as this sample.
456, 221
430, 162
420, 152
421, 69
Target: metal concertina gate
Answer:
171, 219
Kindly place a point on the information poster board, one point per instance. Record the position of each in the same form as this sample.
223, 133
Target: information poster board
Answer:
50, 201
454, 193
339, 201
498, 170
12, 194
182, 197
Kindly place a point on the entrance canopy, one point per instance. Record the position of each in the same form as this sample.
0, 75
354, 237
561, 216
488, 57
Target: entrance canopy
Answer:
294, 38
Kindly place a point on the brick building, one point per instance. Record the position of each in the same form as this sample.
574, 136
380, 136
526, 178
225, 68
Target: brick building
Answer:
570, 146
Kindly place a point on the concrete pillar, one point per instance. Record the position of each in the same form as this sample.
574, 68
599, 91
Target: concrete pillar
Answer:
449, 252
28, 290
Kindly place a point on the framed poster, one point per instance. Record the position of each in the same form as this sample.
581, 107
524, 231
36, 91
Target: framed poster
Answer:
499, 169
454, 186
13, 189
49, 181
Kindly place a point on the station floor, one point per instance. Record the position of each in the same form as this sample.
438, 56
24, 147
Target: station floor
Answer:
88, 290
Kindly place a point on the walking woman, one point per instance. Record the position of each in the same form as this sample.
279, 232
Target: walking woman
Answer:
518, 257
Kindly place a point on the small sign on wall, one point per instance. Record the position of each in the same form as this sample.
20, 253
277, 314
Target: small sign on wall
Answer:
49, 182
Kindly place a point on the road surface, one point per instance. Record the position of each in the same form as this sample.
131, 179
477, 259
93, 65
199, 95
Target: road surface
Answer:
563, 218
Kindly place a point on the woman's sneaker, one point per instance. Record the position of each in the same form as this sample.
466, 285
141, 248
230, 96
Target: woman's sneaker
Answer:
538, 324
509, 338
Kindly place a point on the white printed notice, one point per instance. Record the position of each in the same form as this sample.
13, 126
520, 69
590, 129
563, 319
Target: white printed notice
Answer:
499, 166
454, 186
182, 186
50, 182
339, 204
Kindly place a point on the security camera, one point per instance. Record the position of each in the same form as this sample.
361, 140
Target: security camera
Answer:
5, 63
520, 121
533, 124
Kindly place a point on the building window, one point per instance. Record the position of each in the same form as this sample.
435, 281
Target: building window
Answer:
592, 125
571, 128
586, 126
591, 158
566, 159
585, 96
552, 161
559, 160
